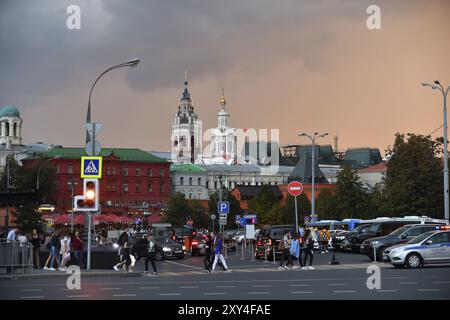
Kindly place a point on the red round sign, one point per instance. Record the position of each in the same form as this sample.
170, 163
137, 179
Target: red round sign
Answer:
295, 188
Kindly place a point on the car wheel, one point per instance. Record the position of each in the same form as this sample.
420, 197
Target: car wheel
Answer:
413, 260
159, 256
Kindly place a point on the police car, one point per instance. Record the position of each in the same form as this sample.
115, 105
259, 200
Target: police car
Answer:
428, 248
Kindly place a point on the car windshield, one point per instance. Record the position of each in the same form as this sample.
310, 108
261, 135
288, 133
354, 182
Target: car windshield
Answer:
399, 231
421, 237
360, 227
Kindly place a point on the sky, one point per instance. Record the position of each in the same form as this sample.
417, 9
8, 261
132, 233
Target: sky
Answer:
291, 65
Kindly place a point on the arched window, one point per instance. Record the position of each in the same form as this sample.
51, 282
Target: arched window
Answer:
15, 133
7, 129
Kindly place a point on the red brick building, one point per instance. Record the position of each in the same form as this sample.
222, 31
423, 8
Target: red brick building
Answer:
133, 181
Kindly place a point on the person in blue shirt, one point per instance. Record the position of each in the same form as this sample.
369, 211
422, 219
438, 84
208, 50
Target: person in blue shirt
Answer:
218, 253
296, 250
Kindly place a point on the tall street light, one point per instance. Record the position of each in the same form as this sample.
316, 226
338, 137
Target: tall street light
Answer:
131, 63
313, 137
437, 85
41, 166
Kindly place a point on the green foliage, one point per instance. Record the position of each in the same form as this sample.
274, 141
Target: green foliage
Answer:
413, 182
264, 205
351, 196
326, 206
178, 210
24, 179
200, 215
288, 211
27, 219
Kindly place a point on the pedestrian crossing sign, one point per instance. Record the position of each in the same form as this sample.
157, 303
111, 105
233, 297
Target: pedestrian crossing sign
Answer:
91, 167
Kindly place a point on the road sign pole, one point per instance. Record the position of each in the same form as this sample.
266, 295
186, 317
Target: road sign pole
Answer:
93, 139
89, 243
296, 216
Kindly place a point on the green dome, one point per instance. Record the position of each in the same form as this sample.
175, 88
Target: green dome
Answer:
9, 111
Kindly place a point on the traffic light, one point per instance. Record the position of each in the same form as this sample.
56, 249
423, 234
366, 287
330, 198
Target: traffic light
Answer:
89, 201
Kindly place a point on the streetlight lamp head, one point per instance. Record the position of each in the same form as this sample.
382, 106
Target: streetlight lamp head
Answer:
301, 134
426, 84
134, 62
437, 82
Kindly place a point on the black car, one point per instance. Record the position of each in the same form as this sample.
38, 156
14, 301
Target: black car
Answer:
373, 229
398, 236
269, 238
166, 247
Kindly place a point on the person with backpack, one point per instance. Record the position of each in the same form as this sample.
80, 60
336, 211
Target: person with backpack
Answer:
218, 254
285, 246
324, 237
309, 249
151, 254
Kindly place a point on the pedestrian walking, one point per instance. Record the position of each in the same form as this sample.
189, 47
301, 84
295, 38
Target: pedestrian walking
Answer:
151, 254
324, 237
285, 246
218, 254
77, 246
296, 250
12, 235
36, 242
64, 251
53, 246
124, 252
309, 249
208, 248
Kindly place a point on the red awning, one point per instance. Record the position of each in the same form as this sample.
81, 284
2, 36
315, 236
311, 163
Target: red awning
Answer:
154, 218
65, 218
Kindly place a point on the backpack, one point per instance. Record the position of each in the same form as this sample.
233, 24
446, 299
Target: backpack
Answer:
281, 244
324, 236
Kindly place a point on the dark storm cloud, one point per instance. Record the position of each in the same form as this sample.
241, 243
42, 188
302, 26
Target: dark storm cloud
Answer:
40, 56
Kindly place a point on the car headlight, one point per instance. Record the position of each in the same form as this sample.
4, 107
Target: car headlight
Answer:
397, 250
340, 237
115, 245
184, 248
166, 249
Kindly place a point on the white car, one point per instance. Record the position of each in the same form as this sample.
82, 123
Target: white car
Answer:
428, 248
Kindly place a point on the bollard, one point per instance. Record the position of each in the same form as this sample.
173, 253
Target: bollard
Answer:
253, 251
374, 254
226, 251
265, 253
273, 254
242, 256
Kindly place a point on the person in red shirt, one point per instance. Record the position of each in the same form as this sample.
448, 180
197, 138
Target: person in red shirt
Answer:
77, 245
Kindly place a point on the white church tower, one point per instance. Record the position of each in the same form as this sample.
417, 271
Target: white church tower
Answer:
186, 135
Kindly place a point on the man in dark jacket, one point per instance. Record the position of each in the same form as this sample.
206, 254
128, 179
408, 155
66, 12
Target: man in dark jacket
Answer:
208, 246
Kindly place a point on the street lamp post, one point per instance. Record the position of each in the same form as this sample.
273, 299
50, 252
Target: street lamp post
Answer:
313, 137
131, 63
72, 184
437, 85
41, 166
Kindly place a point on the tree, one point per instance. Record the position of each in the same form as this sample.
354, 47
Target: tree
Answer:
413, 182
263, 205
200, 215
351, 196
178, 210
326, 205
24, 179
27, 219
303, 209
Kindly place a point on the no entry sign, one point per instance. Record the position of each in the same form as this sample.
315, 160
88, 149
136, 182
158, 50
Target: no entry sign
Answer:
295, 188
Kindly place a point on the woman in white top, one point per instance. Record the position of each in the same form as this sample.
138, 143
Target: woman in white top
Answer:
65, 252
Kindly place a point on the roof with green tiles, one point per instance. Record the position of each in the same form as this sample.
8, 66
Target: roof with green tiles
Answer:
124, 154
186, 168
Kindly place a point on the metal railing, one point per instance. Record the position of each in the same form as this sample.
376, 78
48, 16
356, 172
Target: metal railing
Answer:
16, 256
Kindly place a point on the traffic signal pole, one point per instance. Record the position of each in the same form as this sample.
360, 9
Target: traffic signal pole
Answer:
89, 242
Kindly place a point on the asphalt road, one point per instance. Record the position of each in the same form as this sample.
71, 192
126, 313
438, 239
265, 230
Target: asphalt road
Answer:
248, 280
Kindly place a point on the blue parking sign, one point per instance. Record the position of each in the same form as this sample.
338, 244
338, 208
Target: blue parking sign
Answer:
223, 207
